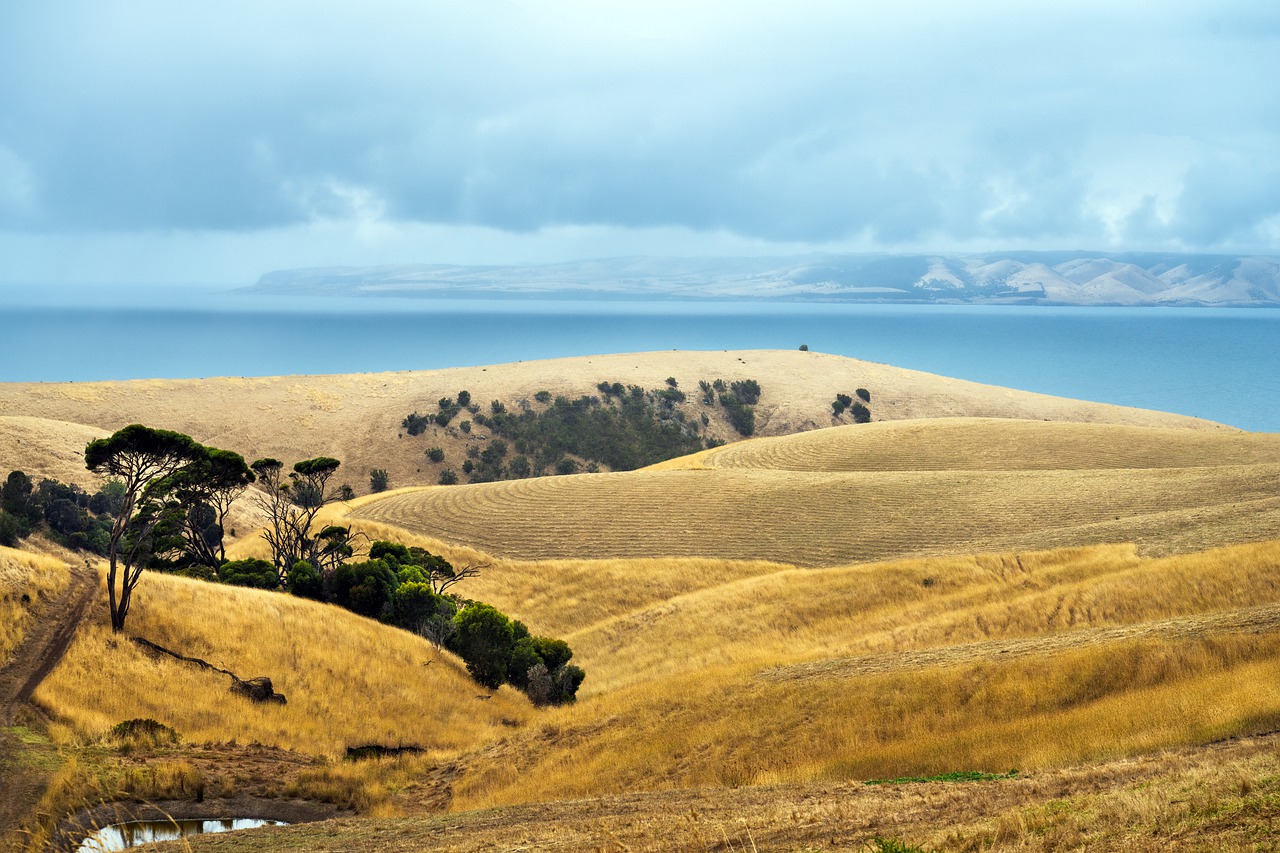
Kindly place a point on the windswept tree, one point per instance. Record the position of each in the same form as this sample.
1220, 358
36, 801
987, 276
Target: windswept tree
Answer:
141, 458
291, 505
204, 492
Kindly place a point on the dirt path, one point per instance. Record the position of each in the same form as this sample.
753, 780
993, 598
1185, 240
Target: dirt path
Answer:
26, 762
46, 643
1245, 620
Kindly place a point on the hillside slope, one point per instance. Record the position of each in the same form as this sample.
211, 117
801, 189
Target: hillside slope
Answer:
880, 491
357, 418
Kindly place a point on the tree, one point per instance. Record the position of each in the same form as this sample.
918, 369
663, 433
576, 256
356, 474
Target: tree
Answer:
291, 508
140, 457
420, 565
378, 480
485, 638
205, 490
364, 588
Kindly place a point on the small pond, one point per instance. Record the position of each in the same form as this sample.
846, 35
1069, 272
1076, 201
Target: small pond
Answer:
122, 836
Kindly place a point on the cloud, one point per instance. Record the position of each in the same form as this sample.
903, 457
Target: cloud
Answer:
918, 125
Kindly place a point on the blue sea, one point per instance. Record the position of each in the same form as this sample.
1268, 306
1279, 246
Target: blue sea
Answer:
1220, 364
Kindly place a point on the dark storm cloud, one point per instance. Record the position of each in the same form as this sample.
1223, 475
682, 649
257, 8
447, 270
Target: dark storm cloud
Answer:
927, 123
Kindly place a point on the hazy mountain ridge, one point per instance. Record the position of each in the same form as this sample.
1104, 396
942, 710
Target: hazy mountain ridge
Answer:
1054, 278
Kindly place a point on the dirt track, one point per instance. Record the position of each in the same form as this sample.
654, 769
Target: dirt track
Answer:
22, 782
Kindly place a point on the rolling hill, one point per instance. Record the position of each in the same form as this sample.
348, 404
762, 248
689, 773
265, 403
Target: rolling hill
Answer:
981, 580
880, 491
357, 418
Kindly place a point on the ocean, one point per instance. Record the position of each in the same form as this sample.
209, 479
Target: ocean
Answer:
1219, 364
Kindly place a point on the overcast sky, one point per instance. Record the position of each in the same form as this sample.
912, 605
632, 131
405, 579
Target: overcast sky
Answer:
213, 141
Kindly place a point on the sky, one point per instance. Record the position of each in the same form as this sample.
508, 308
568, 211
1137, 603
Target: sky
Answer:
210, 142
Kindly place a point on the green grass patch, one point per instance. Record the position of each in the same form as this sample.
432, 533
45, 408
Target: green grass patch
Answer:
954, 776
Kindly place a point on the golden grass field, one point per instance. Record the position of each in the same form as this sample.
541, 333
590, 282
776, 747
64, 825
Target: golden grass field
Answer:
1092, 600
349, 681
39, 578
357, 417
880, 491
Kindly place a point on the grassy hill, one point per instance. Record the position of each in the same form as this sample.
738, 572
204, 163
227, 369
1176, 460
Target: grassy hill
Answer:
358, 418
880, 491
1092, 600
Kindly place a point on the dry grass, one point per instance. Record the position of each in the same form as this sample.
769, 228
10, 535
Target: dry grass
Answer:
357, 418
712, 659
46, 446
971, 444
728, 727
687, 693
37, 577
1219, 798
877, 492
349, 681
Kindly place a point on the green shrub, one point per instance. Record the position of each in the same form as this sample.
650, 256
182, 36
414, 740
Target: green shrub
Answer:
863, 394
414, 605
861, 414
252, 572
543, 397
415, 424
448, 477
464, 399
741, 417
435, 454
485, 639
305, 581
364, 588
747, 391
378, 480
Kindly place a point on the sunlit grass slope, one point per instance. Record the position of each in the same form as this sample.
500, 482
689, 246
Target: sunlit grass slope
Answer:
349, 680
976, 444
28, 582
927, 666
880, 491
357, 417
45, 447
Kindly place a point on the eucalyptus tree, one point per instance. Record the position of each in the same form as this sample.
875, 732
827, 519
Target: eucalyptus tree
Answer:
291, 504
203, 492
143, 459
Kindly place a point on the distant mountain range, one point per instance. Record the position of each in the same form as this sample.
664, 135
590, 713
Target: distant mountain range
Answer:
1048, 278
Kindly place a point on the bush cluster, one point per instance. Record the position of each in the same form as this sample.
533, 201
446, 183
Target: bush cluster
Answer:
70, 515
499, 650
625, 428
861, 414
406, 587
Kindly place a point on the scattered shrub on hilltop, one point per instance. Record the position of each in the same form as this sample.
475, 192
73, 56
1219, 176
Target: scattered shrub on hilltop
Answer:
741, 416
415, 424
627, 429
861, 414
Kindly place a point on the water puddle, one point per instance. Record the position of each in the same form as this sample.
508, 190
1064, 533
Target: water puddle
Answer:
122, 836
